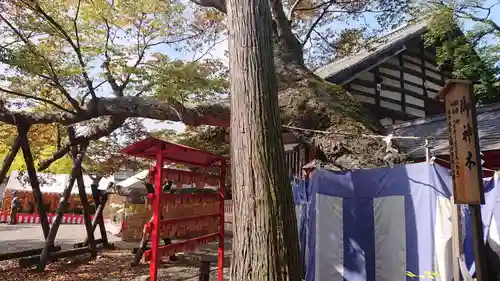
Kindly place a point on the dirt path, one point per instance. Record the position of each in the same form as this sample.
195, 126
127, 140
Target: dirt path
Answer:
108, 266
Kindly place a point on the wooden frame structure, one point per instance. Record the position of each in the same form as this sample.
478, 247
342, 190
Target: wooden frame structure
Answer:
397, 77
50, 251
166, 152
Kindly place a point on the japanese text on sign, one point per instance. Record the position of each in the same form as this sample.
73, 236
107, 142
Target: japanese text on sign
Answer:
464, 152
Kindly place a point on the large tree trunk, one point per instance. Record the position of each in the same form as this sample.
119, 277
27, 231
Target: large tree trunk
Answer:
307, 101
262, 192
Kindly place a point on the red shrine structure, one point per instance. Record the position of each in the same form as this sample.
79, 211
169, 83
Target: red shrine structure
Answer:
167, 153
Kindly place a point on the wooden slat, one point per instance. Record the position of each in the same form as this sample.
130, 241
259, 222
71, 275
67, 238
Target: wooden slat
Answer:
389, 88
28, 261
410, 71
25, 253
402, 83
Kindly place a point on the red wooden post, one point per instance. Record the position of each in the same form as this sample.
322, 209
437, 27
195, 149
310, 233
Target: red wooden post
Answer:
155, 239
221, 222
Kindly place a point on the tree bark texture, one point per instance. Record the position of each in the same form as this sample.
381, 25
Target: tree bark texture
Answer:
81, 190
9, 158
35, 184
262, 192
61, 209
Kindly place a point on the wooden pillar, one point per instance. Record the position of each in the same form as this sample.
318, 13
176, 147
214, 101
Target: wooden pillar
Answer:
7, 161
222, 188
478, 242
81, 190
155, 237
204, 271
456, 244
35, 184
63, 204
100, 200
98, 220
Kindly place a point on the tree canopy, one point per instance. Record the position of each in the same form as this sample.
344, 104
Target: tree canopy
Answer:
467, 38
101, 64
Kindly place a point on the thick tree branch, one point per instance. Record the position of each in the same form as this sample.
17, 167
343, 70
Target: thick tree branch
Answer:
9, 158
283, 30
35, 98
217, 4
292, 10
130, 106
96, 132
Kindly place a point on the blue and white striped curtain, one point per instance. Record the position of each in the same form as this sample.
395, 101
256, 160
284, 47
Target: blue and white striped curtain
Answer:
384, 224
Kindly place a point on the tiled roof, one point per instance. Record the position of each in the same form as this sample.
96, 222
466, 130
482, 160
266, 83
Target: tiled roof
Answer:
488, 120
338, 71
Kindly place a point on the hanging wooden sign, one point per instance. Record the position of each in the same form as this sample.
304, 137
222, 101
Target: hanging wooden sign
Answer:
464, 142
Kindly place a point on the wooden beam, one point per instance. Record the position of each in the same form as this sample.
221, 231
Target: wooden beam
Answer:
393, 89
85, 243
81, 190
378, 80
388, 99
478, 244
63, 204
204, 271
402, 84
412, 72
98, 220
456, 244
381, 112
35, 184
29, 261
25, 253
7, 161
422, 67
102, 197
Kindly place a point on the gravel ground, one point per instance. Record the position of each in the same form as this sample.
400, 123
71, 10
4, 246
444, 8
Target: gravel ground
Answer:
108, 266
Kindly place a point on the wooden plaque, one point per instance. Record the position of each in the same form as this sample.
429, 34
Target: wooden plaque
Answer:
464, 142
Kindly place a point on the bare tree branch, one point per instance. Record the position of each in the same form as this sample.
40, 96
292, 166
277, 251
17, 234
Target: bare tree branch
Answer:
35, 98
215, 43
485, 20
55, 77
75, 24
292, 10
128, 106
96, 132
144, 89
109, 76
148, 45
318, 19
37, 8
88, 92
481, 35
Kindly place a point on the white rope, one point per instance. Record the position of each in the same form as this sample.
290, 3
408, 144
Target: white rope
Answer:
446, 161
375, 136
352, 135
